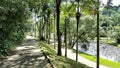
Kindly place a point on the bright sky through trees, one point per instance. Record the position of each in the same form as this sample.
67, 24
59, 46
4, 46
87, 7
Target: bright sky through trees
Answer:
115, 2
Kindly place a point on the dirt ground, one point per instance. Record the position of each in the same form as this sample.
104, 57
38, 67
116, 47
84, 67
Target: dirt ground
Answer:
26, 55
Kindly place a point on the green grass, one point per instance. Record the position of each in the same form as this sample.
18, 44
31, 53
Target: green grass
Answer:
105, 62
59, 61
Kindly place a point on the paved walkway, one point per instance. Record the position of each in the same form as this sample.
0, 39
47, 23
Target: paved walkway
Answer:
72, 55
81, 59
27, 55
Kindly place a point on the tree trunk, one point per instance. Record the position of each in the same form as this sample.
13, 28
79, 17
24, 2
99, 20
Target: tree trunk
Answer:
49, 30
45, 29
66, 34
54, 31
79, 36
66, 37
58, 27
42, 28
97, 36
77, 41
35, 24
39, 29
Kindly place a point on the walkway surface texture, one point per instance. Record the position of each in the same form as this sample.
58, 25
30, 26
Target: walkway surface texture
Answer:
27, 55
81, 59
72, 55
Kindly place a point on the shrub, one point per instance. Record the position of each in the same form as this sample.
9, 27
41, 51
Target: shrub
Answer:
103, 33
118, 37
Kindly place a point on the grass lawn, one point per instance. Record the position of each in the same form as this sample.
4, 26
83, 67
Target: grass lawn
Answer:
105, 62
59, 61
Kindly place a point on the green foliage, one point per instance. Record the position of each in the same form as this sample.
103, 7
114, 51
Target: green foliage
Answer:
103, 33
62, 18
118, 37
109, 18
88, 26
13, 20
116, 34
86, 29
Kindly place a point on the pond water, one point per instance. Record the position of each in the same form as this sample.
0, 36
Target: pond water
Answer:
106, 51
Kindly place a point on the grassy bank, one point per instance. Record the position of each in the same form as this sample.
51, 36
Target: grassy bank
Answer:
105, 62
60, 61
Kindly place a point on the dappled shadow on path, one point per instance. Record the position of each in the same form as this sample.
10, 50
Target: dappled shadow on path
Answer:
27, 55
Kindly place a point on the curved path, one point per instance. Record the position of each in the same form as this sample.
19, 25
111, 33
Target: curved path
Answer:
27, 55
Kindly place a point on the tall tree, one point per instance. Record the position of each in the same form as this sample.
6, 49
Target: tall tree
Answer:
48, 17
54, 27
66, 34
98, 54
78, 14
58, 2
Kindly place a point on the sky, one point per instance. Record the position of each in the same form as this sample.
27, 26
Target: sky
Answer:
115, 2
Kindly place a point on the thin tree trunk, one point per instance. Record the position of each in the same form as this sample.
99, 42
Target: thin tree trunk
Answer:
65, 37
45, 29
39, 29
49, 30
77, 42
97, 36
42, 29
77, 39
54, 30
66, 34
58, 27
35, 24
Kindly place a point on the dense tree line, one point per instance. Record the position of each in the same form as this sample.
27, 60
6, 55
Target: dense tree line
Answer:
14, 24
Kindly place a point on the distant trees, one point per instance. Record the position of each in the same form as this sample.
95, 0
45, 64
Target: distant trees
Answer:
109, 23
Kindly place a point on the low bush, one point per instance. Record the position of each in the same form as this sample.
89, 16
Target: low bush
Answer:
118, 37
